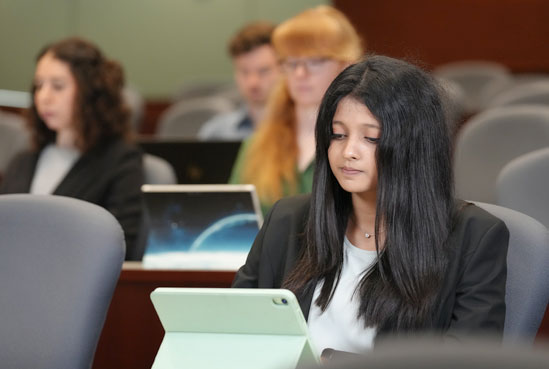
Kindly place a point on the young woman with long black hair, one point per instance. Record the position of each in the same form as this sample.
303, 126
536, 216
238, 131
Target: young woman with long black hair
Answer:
381, 246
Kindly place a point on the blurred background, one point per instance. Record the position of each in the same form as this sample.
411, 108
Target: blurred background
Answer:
165, 45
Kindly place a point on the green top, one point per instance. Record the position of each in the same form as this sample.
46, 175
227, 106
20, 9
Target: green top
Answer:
304, 179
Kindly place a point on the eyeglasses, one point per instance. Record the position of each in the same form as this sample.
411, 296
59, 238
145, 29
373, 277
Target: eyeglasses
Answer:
311, 65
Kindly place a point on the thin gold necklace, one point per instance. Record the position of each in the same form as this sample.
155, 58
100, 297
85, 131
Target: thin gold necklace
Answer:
366, 234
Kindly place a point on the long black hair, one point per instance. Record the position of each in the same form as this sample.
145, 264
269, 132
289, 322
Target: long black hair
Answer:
414, 197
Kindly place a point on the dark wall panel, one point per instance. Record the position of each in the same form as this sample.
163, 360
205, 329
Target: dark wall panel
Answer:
513, 32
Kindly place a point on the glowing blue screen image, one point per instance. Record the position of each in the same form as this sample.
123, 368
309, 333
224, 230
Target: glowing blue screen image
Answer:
198, 227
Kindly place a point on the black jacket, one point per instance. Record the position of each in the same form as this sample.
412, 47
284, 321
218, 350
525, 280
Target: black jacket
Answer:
109, 175
473, 291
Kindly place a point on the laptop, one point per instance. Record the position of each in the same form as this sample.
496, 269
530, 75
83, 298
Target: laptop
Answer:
200, 227
195, 162
231, 328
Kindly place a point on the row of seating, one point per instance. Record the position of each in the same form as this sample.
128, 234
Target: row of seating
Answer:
488, 142
473, 86
478, 85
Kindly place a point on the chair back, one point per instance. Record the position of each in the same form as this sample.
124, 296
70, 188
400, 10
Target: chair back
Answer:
201, 90
185, 118
523, 185
489, 141
13, 137
533, 93
480, 80
60, 259
158, 170
527, 288
136, 104
431, 353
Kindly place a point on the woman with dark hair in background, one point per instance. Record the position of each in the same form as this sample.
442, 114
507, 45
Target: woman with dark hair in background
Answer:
382, 246
80, 130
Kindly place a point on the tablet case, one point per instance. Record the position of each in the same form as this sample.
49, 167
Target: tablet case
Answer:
231, 328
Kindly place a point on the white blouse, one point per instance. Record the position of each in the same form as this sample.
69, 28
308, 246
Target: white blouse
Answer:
338, 327
53, 165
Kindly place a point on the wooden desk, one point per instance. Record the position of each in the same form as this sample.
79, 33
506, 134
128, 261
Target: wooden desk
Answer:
132, 333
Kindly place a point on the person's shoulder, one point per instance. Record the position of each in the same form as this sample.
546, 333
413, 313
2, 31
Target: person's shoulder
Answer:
228, 118
119, 147
469, 213
286, 218
292, 206
474, 225
115, 153
247, 142
221, 125
244, 147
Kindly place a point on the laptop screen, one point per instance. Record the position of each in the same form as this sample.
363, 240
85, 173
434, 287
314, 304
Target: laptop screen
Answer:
195, 162
201, 227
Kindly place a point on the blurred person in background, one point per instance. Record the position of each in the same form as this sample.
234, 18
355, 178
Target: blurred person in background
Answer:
313, 47
80, 131
256, 72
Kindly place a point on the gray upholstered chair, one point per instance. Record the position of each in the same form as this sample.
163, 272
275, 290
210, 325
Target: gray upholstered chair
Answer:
533, 93
523, 185
158, 170
527, 285
13, 137
185, 118
425, 353
490, 140
60, 259
200, 90
135, 102
521, 78
480, 80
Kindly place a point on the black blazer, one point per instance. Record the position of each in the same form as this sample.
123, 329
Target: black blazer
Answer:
109, 175
473, 292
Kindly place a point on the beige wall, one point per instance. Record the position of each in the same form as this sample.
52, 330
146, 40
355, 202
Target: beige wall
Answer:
161, 43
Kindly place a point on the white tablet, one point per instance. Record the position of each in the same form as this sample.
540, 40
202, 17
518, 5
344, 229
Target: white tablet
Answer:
231, 328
